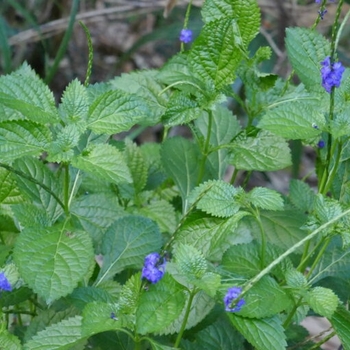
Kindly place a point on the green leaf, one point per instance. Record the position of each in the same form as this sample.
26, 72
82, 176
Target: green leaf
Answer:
340, 126
219, 336
181, 109
105, 162
126, 243
265, 198
137, 166
74, 104
160, 306
322, 300
201, 306
341, 324
295, 279
265, 299
212, 236
246, 13
224, 127
97, 318
96, 212
9, 192
179, 159
143, 84
190, 261
301, 195
42, 174
264, 334
158, 346
217, 198
22, 138
130, 294
62, 148
9, 341
306, 50
116, 111
162, 212
24, 94
293, 120
29, 214
62, 336
335, 262
266, 152
283, 228
62, 259
214, 55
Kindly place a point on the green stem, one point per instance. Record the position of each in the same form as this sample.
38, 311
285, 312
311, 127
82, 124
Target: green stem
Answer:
289, 319
263, 239
206, 148
184, 322
234, 175
66, 189
324, 340
35, 181
187, 17
91, 53
274, 263
319, 256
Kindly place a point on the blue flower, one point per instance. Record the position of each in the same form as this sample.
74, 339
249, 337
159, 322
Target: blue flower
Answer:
321, 144
154, 268
4, 283
331, 74
231, 295
186, 36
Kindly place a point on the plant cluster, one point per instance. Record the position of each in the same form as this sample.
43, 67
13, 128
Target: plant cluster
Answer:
107, 244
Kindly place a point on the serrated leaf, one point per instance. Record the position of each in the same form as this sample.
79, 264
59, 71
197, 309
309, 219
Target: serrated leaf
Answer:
293, 120
162, 212
306, 50
62, 148
62, 336
217, 198
74, 105
212, 236
29, 214
96, 212
301, 195
246, 13
22, 138
62, 259
265, 198
116, 111
105, 162
265, 299
219, 336
126, 243
97, 318
137, 166
144, 84
323, 301
209, 283
340, 126
157, 346
179, 159
295, 279
181, 109
202, 304
264, 334
214, 55
341, 324
24, 94
9, 341
265, 152
9, 192
190, 261
130, 294
41, 174
160, 306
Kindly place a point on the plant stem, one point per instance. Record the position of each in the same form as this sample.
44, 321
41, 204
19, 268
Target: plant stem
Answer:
184, 322
313, 234
319, 256
206, 148
263, 238
66, 189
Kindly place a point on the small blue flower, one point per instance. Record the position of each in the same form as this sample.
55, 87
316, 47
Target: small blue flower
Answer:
331, 74
4, 283
154, 268
321, 144
186, 36
231, 295
322, 13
